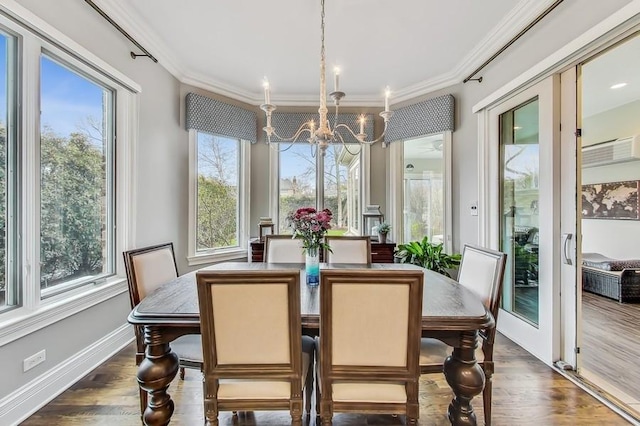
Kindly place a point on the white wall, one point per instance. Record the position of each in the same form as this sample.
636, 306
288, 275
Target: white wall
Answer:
612, 238
161, 189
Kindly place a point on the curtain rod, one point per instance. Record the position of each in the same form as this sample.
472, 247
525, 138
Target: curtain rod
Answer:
510, 42
124, 33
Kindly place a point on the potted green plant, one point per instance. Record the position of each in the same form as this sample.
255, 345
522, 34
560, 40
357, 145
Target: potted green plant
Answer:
428, 255
383, 230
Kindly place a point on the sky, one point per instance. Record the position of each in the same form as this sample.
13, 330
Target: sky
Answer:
66, 98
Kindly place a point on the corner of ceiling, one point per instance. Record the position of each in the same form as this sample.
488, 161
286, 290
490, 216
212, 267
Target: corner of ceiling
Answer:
520, 16
127, 19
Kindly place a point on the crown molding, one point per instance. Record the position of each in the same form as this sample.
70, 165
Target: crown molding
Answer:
521, 15
121, 13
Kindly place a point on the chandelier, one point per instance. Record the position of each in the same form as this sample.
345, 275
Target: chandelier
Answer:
324, 134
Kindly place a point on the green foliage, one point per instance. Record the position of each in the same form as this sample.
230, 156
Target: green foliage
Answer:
428, 255
217, 213
72, 207
384, 228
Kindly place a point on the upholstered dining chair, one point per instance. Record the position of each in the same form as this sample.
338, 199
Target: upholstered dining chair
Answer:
283, 249
481, 271
147, 268
267, 371
369, 350
348, 249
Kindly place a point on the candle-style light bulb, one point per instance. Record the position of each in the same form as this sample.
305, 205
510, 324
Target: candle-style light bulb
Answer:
362, 120
312, 128
387, 92
336, 79
267, 94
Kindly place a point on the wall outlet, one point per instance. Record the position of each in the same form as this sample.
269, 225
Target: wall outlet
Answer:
474, 209
33, 360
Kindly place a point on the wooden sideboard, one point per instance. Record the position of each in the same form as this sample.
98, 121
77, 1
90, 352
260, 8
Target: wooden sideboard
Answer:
380, 253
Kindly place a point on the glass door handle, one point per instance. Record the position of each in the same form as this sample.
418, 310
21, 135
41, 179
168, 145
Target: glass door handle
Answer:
566, 256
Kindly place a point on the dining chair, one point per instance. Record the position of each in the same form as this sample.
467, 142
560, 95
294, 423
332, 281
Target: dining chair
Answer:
370, 322
482, 272
283, 249
255, 356
147, 268
348, 249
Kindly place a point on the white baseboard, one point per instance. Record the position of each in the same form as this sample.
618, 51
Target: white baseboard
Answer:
22, 403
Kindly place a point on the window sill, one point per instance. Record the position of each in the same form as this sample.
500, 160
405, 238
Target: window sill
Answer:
23, 321
239, 254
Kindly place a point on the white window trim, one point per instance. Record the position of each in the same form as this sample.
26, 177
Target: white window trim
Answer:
35, 314
195, 257
396, 191
274, 181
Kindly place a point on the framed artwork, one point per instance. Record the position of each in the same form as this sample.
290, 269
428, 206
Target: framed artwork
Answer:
611, 200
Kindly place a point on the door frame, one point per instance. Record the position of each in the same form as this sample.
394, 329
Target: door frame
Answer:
542, 340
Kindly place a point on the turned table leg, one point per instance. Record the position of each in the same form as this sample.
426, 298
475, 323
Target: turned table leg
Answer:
155, 373
466, 379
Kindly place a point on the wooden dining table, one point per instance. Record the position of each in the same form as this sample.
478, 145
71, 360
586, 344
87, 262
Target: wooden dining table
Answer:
450, 313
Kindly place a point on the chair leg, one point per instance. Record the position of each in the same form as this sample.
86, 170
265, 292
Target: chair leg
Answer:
181, 373
308, 386
486, 400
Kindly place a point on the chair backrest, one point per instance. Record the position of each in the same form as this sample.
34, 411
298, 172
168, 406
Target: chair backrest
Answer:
283, 249
147, 268
348, 249
363, 311
250, 324
482, 271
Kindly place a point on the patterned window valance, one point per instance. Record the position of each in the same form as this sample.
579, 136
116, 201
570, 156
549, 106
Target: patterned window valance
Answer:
212, 116
286, 124
430, 116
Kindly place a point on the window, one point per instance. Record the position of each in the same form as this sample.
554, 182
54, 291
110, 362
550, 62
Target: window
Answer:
65, 188
423, 189
219, 198
332, 181
76, 178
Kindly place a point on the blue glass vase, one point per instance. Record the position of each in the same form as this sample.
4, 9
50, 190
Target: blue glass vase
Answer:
312, 266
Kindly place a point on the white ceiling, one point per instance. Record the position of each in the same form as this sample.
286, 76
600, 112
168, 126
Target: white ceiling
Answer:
618, 65
413, 46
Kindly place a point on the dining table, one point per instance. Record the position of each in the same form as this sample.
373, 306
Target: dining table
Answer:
450, 313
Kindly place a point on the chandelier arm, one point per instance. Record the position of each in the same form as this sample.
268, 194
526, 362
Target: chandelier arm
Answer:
344, 126
303, 128
345, 145
292, 143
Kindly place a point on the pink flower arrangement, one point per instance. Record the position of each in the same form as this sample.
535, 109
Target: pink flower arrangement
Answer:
311, 225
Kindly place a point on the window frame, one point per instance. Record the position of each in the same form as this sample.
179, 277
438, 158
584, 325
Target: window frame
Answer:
274, 180
396, 190
36, 37
194, 256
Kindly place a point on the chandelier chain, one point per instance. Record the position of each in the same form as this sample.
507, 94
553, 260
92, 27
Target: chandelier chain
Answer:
325, 134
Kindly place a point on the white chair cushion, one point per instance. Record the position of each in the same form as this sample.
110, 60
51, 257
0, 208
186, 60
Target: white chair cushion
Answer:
153, 269
348, 251
253, 389
285, 250
369, 392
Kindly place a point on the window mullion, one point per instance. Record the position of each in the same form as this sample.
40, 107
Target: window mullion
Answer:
30, 148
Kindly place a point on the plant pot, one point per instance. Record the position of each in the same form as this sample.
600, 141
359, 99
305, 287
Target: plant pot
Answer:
382, 238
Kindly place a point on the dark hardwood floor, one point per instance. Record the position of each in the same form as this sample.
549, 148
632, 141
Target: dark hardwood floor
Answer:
525, 392
611, 341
